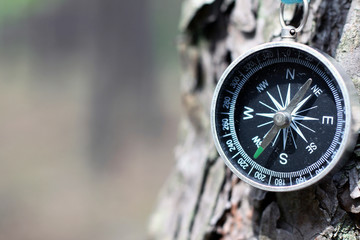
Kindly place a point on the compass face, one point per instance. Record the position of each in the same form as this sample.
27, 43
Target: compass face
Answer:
281, 117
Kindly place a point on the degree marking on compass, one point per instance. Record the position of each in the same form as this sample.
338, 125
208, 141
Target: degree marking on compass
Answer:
235, 155
250, 170
226, 135
240, 73
269, 180
259, 62
225, 113
230, 92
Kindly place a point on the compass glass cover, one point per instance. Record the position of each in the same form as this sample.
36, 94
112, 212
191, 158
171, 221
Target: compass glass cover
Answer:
250, 94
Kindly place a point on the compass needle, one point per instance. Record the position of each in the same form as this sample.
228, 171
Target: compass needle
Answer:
277, 135
267, 140
258, 152
297, 99
282, 119
300, 104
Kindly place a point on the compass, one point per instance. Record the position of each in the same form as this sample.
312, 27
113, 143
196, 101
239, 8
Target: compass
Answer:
284, 115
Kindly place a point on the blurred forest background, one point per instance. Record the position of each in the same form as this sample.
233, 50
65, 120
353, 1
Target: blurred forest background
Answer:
89, 103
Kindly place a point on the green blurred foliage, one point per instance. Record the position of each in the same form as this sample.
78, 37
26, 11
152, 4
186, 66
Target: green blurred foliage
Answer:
13, 9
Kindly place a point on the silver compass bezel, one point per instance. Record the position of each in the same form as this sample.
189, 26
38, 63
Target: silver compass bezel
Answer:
351, 107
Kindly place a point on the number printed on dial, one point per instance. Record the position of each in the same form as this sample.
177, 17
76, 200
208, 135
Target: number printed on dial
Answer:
290, 96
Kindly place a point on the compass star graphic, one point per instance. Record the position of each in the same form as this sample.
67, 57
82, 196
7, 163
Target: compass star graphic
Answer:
295, 115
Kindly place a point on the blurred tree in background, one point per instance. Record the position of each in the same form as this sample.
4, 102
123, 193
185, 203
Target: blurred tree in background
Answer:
17, 8
88, 98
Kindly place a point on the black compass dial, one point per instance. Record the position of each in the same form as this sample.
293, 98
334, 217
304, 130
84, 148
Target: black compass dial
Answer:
279, 117
313, 118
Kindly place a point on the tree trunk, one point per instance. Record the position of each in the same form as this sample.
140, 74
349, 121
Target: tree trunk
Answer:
202, 199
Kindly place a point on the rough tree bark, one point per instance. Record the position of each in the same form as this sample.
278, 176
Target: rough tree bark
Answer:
202, 199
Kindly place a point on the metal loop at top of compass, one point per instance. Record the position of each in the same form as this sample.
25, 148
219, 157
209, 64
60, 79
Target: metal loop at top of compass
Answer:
305, 16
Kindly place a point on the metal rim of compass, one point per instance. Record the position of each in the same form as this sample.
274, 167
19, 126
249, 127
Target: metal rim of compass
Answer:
351, 108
